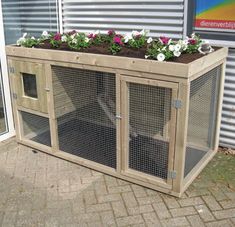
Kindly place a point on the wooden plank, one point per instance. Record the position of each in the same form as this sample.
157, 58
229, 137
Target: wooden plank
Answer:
138, 74
13, 90
109, 61
172, 133
219, 108
51, 109
206, 61
39, 103
35, 112
118, 123
181, 136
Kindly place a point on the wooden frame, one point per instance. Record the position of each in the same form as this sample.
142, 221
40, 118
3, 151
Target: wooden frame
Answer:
38, 103
175, 76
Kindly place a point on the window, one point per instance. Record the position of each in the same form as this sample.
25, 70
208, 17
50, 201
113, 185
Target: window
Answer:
213, 19
32, 17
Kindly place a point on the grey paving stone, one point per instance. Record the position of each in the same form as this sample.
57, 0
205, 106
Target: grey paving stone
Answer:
40, 190
172, 222
211, 203
130, 220
223, 223
119, 209
204, 213
230, 213
195, 221
178, 212
129, 199
161, 210
151, 219
191, 201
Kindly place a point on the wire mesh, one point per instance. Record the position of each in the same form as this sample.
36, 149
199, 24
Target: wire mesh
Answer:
36, 128
202, 117
149, 116
85, 107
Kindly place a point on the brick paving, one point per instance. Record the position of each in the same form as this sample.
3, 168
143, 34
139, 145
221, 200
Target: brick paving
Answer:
37, 189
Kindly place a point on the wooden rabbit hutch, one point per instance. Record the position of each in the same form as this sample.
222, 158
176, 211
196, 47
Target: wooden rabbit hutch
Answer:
152, 123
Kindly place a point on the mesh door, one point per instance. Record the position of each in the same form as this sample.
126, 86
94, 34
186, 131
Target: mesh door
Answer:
36, 128
202, 117
149, 116
85, 107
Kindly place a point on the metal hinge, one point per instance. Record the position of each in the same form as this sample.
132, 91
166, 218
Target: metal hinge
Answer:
177, 103
172, 174
12, 70
14, 95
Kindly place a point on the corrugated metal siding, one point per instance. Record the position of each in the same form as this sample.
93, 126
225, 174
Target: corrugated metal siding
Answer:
161, 17
227, 133
33, 17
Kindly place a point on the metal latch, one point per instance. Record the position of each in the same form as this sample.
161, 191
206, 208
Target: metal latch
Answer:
172, 174
14, 95
177, 103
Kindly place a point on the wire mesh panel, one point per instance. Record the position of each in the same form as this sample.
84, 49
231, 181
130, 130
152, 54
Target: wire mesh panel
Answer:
85, 107
202, 117
36, 128
149, 117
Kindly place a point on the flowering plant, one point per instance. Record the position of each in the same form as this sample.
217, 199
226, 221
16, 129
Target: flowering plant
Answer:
116, 44
55, 40
136, 39
161, 49
78, 41
26, 41
194, 42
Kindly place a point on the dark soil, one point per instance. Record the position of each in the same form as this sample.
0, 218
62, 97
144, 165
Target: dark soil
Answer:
125, 52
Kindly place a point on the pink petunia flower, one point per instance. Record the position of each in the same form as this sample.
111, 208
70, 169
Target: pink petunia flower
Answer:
192, 41
117, 40
72, 32
57, 37
111, 32
92, 36
164, 40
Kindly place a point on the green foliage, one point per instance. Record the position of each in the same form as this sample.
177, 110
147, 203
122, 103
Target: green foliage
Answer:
78, 41
115, 48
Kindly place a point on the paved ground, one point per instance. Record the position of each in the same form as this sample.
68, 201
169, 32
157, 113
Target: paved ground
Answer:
40, 190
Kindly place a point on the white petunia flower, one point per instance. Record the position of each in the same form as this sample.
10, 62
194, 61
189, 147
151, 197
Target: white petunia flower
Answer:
33, 37
24, 35
144, 32
135, 33
185, 42
177, 47
161, 57
73, 35
171, 48
177, 53
74, 41
20, 41
87, 40
149, 40
128, 37
193, 35
45, 33
64, 38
